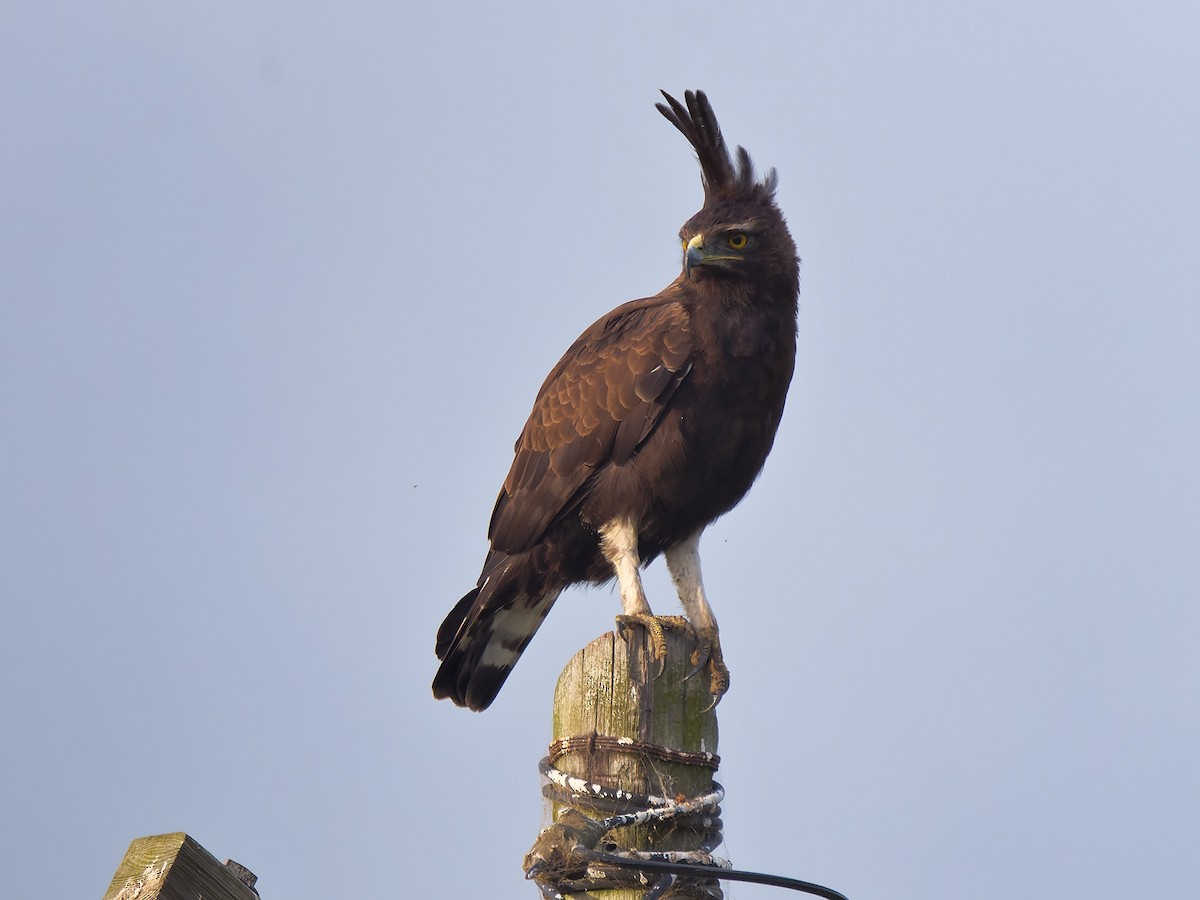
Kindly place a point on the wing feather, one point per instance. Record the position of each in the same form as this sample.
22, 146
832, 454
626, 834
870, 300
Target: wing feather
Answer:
596, 407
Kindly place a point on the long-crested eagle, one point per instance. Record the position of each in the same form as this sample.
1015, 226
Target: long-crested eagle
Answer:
655, 422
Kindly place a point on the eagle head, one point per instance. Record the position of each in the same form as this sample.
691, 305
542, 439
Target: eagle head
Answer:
740, 233
749, 240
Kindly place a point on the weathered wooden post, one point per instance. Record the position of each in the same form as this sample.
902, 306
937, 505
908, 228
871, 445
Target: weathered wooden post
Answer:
175, 867
626, 739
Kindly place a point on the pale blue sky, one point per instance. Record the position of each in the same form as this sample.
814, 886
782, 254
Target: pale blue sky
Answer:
280, 281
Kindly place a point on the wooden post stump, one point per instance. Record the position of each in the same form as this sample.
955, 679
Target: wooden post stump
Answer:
612, 690
175, 867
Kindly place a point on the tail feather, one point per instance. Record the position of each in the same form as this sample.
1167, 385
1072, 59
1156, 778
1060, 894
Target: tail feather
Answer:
484, 636
453, 623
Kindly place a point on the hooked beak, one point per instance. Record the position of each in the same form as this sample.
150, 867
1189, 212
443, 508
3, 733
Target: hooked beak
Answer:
693, 254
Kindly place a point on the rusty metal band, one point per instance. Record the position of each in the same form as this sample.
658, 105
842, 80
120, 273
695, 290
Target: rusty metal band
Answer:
592, 743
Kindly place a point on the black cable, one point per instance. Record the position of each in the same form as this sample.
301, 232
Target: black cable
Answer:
712, 873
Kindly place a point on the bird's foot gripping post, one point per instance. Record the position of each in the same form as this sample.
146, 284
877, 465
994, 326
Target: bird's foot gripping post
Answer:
630, 774
706, 647
656, 628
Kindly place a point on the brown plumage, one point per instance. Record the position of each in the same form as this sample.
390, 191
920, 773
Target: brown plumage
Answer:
655, 422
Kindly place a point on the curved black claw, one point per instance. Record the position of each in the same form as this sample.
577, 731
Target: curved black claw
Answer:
708, 655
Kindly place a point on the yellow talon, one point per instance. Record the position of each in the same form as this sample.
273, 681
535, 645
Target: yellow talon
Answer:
708, 654
656, 627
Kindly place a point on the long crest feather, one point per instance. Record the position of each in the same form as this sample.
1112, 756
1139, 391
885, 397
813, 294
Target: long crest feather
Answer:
721, 178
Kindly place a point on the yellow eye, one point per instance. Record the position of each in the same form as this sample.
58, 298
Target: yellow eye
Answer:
738, 240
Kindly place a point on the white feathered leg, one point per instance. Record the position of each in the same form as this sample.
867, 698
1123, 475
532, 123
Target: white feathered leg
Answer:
683, 561
619, 544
